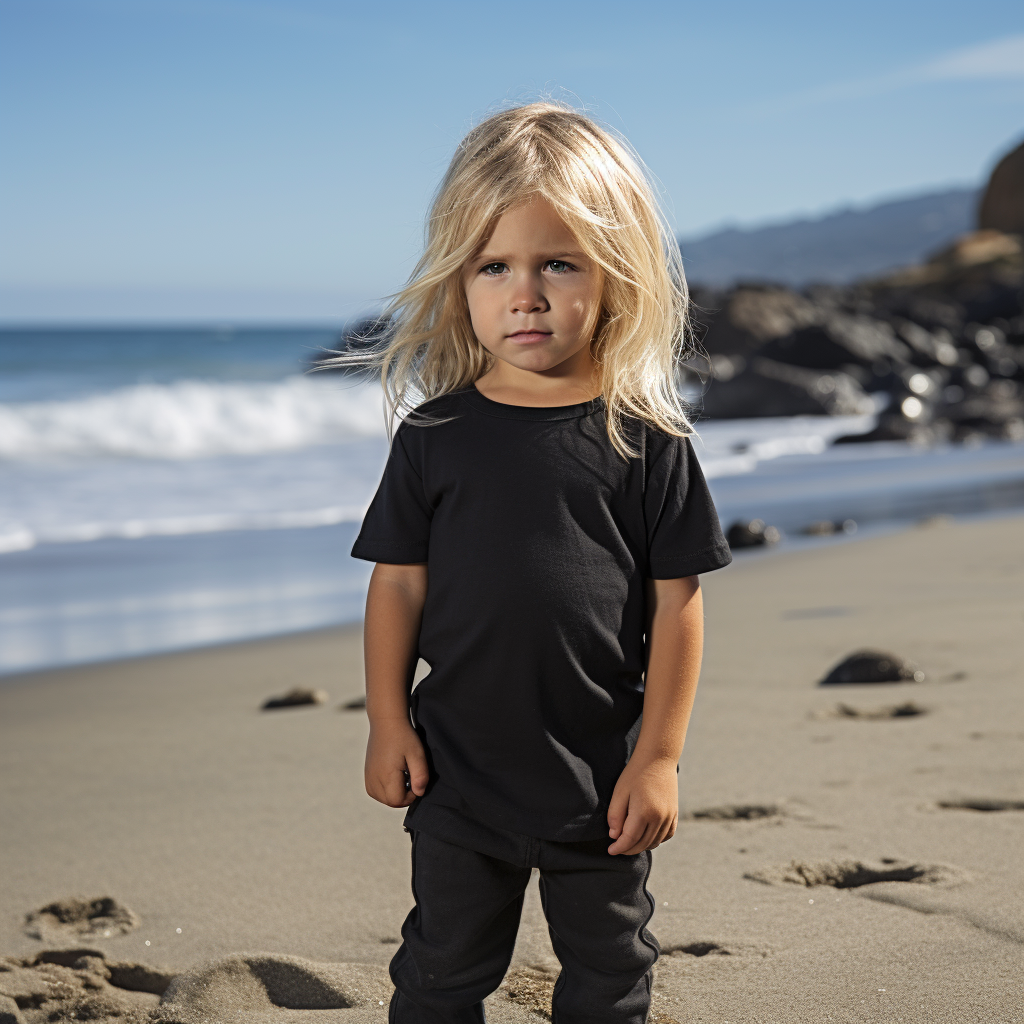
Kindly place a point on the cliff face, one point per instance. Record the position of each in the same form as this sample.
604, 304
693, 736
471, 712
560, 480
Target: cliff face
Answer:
1002, 205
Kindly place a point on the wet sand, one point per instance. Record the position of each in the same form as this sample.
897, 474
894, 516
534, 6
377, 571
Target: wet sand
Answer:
160, 783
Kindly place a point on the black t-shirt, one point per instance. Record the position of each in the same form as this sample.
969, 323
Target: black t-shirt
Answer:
538, 537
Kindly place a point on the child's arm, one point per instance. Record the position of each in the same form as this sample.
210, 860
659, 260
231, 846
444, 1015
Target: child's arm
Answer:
394, 606
644, 808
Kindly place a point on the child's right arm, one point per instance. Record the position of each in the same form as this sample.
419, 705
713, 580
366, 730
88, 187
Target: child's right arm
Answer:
394, 607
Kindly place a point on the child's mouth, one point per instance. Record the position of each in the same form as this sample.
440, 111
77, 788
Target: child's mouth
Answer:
529, 337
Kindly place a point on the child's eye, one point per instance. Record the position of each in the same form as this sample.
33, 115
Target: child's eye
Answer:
559, 266
493, 269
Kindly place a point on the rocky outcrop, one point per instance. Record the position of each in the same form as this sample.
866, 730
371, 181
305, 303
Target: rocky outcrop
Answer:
1002, 205
938, 349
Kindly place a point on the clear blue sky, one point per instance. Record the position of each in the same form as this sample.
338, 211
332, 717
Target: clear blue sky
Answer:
262, 158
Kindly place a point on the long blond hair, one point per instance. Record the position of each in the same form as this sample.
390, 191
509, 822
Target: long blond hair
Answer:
598, 186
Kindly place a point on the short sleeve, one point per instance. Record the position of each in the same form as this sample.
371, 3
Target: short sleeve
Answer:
396, 527
684, 537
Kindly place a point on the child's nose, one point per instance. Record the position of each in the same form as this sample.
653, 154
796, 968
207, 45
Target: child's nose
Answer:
528, 298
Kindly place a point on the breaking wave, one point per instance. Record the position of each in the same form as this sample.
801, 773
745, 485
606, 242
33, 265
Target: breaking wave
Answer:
193, 419
736, 447
22, 538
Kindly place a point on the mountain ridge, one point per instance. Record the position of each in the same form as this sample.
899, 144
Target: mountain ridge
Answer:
835, 248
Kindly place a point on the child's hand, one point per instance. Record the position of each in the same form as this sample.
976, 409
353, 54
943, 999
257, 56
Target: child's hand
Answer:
393, 751
644, 808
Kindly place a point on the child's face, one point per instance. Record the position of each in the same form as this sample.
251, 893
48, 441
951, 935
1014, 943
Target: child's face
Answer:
534, 298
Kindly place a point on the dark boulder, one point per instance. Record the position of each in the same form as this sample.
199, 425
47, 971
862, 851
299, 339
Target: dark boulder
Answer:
841, 341
770, 388
299, 696
867, 666
739, 322
751, 534
1002, 205
977, 279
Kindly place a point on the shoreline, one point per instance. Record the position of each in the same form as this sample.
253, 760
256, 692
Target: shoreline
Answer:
158, 782
790, 544
27, 677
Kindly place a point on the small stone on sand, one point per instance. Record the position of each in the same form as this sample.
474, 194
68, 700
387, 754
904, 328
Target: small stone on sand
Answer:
868, 666
297, 697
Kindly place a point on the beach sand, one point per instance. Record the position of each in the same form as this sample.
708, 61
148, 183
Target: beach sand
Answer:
224, 829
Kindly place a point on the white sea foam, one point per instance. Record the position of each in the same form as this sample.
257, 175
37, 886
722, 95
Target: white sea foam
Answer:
22, 539
193, 419
736, 447
263, 486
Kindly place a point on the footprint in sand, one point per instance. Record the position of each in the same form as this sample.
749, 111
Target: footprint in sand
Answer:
69, 985
908, 709
851, 874
737, 812
697, 949
72, 918
259, 985
981, 804
530, 988
712, 950
79, 984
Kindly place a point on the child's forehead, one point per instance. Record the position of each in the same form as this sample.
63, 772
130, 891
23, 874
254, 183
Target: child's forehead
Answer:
532, 226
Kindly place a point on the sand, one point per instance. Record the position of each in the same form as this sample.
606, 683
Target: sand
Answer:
216, 829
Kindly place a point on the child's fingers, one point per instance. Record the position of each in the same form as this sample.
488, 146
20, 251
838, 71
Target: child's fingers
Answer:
662, 833
394, 788
629, 844
618, 809
419, 773
631, 838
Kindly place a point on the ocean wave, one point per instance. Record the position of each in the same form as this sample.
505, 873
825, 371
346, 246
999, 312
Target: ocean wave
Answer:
736, 447
19, 538
193, 419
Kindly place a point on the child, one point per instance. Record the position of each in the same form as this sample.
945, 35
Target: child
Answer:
538, 534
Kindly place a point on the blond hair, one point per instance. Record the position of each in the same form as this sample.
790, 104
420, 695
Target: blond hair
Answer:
599, 188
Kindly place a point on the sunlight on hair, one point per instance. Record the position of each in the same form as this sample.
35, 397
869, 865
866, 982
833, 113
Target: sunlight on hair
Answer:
426, 347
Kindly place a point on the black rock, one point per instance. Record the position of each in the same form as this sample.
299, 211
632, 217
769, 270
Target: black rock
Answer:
294, 698
1002, 205
740, 321
869, 666
840, 341
752, 534
769, 388
827, 528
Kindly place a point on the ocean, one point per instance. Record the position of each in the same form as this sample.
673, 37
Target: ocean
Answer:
168, 488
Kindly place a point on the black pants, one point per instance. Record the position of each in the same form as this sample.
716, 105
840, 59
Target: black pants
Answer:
458, 939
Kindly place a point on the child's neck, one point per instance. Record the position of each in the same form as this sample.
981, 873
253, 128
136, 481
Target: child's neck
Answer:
561, 385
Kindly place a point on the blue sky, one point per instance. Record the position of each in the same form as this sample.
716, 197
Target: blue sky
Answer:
254, 159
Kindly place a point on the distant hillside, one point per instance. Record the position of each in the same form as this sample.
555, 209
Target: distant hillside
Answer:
837, 248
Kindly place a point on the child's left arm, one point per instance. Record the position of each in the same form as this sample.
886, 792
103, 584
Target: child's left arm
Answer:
644, 808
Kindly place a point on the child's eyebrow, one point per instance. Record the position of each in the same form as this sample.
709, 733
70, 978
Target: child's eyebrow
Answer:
498, 257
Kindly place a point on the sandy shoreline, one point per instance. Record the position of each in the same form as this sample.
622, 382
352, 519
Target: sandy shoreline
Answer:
158, 781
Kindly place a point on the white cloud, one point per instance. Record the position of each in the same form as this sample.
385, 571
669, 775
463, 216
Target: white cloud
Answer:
1002, 58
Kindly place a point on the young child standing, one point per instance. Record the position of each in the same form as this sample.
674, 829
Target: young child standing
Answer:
538, 534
